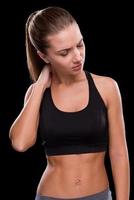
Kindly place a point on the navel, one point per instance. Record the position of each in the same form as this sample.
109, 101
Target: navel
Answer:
78, 181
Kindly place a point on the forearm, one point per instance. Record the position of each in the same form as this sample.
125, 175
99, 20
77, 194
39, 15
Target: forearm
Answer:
23, 131
121, 176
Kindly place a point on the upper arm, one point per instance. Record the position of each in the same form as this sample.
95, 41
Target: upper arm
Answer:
117, 139
28, 93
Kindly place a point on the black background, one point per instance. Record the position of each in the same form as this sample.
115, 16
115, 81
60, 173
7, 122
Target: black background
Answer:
107, 31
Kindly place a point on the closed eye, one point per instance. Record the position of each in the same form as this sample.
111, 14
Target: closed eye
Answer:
64, 53
81, 44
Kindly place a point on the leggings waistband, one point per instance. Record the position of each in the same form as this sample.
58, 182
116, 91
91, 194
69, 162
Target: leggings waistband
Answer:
103, 195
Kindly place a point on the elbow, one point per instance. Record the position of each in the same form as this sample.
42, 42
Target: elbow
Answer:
15, 145
19, 147
19, 141
20, 144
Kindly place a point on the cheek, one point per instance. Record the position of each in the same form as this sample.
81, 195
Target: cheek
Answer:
63, 61
59, 63
83, 52
83, 55
65, 64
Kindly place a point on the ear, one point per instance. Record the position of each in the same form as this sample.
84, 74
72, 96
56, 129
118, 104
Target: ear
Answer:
42, 56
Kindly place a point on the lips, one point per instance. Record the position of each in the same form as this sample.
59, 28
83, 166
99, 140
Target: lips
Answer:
77, 66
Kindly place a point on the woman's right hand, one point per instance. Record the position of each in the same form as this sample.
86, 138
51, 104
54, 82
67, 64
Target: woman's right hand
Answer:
45, 76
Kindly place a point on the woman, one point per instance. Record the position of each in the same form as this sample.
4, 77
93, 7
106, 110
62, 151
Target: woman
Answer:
77, 114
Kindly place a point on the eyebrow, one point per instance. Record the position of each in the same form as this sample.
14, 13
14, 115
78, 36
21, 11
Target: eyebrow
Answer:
69, 48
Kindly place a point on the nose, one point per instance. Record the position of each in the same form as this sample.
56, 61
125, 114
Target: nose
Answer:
77, 56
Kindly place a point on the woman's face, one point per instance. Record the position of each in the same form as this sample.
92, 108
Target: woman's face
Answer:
67, 50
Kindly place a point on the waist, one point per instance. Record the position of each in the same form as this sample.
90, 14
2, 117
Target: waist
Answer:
73, 179
88, 173
76, 167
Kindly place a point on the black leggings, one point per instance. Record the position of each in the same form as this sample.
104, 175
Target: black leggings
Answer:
104, 195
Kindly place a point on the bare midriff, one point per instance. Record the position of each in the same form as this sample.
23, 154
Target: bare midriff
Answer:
74, 175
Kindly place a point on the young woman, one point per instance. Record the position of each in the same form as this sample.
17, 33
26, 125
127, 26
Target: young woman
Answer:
77, 114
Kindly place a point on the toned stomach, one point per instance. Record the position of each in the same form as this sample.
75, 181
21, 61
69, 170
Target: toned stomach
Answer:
75, 175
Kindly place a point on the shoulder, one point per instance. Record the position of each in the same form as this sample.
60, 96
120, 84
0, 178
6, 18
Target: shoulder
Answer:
107, 82
107, 86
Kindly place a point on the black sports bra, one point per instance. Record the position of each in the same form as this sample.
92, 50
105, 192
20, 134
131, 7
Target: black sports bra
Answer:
77, 132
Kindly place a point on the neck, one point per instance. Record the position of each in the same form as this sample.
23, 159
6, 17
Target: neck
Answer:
67, 79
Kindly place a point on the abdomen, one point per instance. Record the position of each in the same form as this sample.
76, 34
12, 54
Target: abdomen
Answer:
71, 176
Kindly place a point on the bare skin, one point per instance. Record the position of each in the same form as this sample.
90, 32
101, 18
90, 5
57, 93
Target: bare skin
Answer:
76, 175
72, 176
